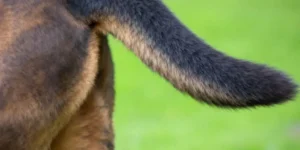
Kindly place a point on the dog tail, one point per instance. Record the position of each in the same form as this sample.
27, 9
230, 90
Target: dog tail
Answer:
163, 43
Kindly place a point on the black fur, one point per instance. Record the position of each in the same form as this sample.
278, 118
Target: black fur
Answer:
248, 84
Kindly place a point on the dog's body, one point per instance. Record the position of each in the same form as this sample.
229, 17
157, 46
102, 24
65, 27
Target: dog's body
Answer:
56, 71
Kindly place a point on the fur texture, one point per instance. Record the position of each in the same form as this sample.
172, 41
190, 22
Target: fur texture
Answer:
192, 66
56, 71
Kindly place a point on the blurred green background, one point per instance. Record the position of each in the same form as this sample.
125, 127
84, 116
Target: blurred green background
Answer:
151, 115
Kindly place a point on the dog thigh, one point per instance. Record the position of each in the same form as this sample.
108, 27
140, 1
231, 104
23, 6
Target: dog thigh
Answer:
45, 74
91, 128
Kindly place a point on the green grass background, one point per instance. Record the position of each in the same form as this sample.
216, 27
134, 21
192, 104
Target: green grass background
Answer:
151, 115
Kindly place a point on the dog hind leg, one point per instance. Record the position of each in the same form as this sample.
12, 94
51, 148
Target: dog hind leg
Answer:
91, 128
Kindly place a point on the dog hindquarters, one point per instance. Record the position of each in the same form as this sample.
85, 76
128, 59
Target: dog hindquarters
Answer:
91, 128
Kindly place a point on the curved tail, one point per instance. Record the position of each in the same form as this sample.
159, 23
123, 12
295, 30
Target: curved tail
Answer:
163, 43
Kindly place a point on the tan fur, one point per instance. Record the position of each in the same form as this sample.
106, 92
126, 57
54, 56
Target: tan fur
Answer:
77, 95
143, 48
97, 100
5, 27
57, 76
9, 31
91, 127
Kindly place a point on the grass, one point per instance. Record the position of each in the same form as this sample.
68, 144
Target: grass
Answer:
151, 115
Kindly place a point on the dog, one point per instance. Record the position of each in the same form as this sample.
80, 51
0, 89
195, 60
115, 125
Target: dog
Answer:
57, 74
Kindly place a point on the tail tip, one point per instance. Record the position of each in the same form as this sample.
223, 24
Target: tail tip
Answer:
283, 92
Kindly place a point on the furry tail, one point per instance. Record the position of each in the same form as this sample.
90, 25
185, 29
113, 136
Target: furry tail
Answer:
191, 65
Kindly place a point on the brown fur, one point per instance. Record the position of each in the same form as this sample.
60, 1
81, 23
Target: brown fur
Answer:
57, 74
94, 115
143, 48
51, 99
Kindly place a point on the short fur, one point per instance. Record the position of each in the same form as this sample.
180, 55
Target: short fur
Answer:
56, 71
